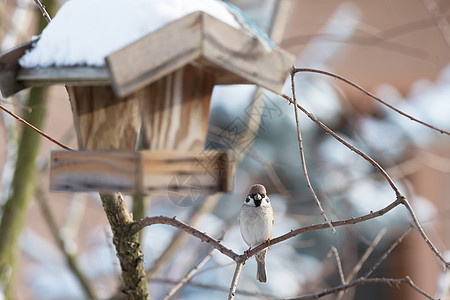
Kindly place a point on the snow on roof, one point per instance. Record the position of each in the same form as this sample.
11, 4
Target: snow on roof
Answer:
84, 32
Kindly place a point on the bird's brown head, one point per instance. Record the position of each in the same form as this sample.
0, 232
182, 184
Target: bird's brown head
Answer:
257, 189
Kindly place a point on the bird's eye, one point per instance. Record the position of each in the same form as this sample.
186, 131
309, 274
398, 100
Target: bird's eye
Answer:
247, 199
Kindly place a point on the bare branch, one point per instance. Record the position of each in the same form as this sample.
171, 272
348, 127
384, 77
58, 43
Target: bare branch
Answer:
302, 155
361, 281
235, 279
34, 128
191, 273
204, 237
148, 221
386, 254
213, 287
365, 256
43, 11
296, 70
338, 263
423, 234
400, 199
348, 145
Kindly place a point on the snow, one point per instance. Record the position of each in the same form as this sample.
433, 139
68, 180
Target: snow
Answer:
83, 32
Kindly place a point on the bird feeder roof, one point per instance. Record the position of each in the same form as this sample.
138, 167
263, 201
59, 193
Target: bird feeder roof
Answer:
234, 56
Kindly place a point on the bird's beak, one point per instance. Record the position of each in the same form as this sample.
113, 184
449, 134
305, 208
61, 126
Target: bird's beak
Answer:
257, 199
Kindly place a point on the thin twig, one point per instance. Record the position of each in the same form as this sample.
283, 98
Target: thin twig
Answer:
19, 105
43, 11
34, 128
235, 279
338, 263
302, 155
213, 287
400, 199
423, 234
386, 254
203, 236
362, 260
361, 281
296, 70
365, 256
191, 273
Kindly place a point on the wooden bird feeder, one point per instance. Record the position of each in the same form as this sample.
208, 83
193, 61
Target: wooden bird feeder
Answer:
160, 87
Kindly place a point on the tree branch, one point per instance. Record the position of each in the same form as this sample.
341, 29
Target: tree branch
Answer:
365, 256
235, 279
203, 236
362, 281
190, 274
43, 11
127, 246
34, 128
386, 254
296, 70
338, 263
302, 155
400, 198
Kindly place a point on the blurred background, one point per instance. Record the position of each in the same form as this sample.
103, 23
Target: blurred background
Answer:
399, 50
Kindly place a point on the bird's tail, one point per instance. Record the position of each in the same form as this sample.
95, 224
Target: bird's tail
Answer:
261, 273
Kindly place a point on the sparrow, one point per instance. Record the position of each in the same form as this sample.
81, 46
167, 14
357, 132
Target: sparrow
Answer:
256, 224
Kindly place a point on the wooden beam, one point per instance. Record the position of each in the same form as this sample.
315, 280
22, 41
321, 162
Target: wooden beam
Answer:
143, 172
68, 75
243, 56
156, 55
9, 65
233, 56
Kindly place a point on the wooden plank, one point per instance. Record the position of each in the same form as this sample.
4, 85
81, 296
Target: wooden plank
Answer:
93, 171
103, 121
233, 56
175, 110
142, 172
67, 75
241, 54
156, 55
9, 65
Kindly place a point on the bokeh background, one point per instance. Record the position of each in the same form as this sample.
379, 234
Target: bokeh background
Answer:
394, 49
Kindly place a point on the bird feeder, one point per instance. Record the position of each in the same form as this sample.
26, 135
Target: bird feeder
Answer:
158, 87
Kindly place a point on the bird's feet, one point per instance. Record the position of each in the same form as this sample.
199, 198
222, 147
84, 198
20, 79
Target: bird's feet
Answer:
247, 252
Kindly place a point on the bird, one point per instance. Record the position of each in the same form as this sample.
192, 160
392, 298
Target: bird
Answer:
256, 224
